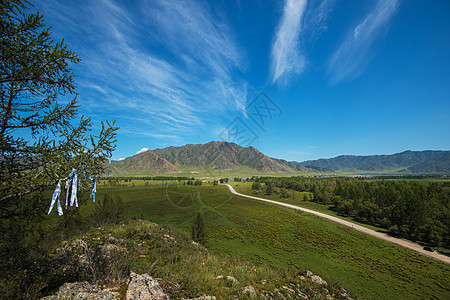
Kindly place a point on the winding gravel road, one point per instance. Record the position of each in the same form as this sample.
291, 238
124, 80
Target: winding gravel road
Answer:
405, 243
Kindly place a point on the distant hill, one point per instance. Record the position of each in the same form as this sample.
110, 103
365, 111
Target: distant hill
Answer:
319, 169
212, 155
437, 162
143, 163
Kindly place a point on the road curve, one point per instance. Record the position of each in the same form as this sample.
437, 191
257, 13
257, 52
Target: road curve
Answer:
380, 235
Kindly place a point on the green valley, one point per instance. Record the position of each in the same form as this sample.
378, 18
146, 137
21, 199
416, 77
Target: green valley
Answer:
269, 235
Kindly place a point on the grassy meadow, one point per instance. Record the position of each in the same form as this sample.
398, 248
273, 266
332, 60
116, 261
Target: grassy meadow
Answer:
269, 235
296, 198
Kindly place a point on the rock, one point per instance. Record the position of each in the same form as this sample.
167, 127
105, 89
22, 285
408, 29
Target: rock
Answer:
302, 295
318, 280
290, 291
267, 295
82, 291
279, 295
109, 249
231, 280
203, 298
168, 238
309, 273
113, 240
249, 290
144, 287
195, 243
302, 278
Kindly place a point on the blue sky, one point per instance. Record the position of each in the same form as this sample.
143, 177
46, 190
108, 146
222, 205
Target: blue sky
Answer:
338, 77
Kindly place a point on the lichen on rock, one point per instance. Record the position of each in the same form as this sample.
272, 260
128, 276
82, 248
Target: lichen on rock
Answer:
144, 287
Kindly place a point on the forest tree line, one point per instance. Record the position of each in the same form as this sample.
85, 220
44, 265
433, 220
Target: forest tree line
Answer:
409, 209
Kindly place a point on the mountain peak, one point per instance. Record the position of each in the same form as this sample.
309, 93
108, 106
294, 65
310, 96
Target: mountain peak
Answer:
216, 155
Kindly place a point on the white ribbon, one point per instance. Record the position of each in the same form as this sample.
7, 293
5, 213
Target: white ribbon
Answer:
73, 197
76, 183
55, 198
67, 194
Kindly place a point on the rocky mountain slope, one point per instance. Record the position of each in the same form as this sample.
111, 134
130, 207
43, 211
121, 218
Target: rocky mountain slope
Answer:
212, 155
146, 162
407, 161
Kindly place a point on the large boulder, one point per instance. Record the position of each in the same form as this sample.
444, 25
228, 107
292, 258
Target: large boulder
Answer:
144, 287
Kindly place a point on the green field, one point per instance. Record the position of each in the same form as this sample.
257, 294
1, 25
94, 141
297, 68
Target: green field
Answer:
209, 173
297, 199
270, 235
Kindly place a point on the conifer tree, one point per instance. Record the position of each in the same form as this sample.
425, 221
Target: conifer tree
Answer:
199, 230
41, 136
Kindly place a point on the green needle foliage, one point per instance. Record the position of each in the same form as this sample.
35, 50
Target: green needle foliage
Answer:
198, 230
41, 136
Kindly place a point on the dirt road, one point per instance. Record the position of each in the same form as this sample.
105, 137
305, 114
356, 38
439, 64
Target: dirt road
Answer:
380, 235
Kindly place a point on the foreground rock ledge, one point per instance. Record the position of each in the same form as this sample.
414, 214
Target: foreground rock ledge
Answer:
141, 287
82, 291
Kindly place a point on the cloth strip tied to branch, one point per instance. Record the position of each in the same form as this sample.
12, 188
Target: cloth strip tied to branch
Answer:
76, 184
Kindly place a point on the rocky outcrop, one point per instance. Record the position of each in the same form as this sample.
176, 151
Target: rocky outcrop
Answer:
82, 291
140, 287
315, 278
144, 287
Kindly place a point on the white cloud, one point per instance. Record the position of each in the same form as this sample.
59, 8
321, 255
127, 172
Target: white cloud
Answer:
315, 19
352, 55
122, 158
301, 24
174, 64
206, 47
142, 150
286, 58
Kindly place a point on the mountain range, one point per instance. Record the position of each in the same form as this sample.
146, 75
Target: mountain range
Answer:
212, 156
437, 162
223, 156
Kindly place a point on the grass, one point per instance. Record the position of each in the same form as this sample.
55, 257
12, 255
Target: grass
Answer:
297, 199
209, 173
269, 235
186, 270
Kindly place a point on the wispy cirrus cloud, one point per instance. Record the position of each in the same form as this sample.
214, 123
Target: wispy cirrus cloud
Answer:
350, 58
163, 67
286, 58
302, 21
204, 45
315, 19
